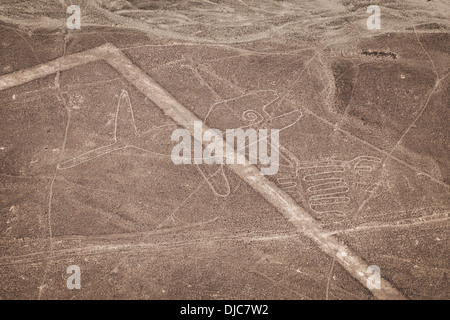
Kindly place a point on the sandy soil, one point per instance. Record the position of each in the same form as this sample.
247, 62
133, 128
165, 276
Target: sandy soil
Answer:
365, 109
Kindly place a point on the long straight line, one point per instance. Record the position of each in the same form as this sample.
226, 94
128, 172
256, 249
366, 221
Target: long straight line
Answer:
60, 64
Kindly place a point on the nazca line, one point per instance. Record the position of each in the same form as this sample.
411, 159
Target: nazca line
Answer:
304, 223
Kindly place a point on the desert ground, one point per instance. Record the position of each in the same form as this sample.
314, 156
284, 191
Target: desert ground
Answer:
86, 175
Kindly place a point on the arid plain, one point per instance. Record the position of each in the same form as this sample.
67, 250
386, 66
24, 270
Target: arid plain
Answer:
86, 175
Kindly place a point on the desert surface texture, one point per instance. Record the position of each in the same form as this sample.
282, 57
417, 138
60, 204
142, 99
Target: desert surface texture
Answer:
92, 205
